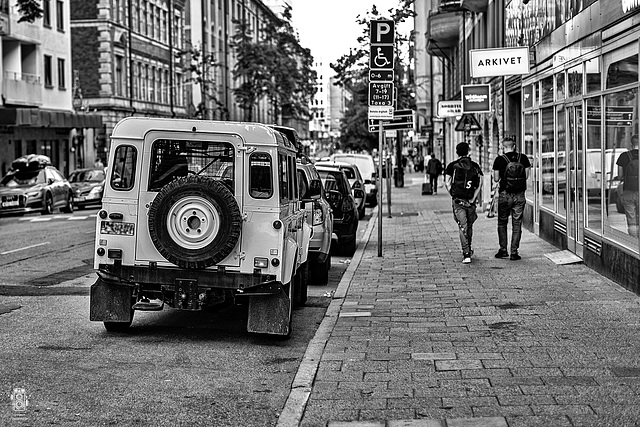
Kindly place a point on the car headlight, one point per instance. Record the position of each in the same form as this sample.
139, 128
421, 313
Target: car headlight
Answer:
96, 190
33, 193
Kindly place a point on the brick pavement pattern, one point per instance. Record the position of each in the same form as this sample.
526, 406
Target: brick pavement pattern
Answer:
421, 339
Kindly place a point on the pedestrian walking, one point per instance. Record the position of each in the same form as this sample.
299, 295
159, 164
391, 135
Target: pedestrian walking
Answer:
511, 171
434, 169
462, 181
628, 174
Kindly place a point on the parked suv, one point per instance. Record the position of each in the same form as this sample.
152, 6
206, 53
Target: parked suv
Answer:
345, 212
198, 213
356, 182
367, 167
320, 216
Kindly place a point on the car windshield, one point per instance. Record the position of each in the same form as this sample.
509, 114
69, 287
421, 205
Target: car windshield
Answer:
87, 176
331, 181
23, 178
351, 174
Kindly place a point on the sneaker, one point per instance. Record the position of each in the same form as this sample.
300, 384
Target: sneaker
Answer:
466, 259
515, 257
502, 254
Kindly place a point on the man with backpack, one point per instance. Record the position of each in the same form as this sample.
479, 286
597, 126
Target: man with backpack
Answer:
462, 181
510, 171
434, 169
628, 173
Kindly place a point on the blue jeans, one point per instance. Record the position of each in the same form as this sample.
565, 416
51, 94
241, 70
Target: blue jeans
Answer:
630, 201
465, 215
510, 205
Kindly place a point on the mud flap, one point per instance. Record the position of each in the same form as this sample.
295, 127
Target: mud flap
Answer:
110, 302
270, 314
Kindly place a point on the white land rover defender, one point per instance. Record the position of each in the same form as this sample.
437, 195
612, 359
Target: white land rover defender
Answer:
197, 213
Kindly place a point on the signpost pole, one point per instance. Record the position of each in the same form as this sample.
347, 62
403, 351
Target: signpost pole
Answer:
380, 157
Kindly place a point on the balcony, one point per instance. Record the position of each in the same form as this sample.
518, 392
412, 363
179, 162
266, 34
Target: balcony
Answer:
21, 89
476, 6
443, 29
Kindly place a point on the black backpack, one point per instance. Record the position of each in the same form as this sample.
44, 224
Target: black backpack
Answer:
631, 171
515, 176
465, 179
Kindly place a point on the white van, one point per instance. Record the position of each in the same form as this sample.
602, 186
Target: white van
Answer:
197, 213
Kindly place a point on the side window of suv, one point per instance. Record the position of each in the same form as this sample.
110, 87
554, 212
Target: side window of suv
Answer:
283, 176
260, 181
124, 168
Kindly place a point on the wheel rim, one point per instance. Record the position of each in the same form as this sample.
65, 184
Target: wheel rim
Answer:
49, 203
193, 222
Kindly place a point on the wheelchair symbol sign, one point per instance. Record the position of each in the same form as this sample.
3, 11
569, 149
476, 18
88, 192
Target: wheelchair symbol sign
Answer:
381, 57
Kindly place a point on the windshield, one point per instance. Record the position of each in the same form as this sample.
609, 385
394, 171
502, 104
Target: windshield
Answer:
87, 176
23, 178
331, 181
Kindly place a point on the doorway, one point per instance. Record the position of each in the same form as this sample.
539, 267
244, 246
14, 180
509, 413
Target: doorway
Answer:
575, 180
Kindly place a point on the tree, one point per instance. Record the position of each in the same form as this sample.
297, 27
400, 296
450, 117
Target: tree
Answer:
200, 69
275, 66
29, 10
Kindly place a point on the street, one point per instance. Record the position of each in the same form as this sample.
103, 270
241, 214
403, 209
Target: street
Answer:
190, 368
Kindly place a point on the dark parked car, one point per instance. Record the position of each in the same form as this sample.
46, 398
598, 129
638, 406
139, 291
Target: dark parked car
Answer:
356, 182
345, 211
32, 185
88, 186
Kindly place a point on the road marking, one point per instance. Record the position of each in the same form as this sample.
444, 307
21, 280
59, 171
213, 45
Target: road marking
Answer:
24, 249
41, 219
77, 218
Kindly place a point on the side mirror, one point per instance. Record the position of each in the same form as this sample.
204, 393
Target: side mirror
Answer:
334, 197
313, 192
358, 193
50, 181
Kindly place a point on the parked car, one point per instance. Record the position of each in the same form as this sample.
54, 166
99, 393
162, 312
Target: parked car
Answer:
367, 167
345, 211
197, 214
88, 186
356, 182
320, 217
34, 185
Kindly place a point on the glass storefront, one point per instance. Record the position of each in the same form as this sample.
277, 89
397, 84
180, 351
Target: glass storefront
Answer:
576, 148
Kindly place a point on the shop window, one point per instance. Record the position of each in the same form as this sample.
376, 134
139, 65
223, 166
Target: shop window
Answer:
621, 123
574, 81
592, 70
622, 72
561, 160
593, 165
527, 96
560, 86
529, 147
547, 159
547, 90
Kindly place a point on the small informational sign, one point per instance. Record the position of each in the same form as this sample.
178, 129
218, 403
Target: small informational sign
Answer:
402, 120
467, 123
449, 109
476, 98
376, 75
381, 57
499, 62
382, 31
390, 133
380, 113
381, 94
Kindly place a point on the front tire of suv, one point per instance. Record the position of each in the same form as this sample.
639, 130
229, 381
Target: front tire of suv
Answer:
195, 222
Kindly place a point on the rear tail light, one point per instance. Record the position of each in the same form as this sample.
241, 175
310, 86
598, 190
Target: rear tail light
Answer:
347, 205
318, 215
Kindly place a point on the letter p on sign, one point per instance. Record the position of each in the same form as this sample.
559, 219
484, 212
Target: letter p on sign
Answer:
383, 32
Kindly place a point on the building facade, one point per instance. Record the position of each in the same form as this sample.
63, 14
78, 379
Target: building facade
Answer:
37, 115
574, 114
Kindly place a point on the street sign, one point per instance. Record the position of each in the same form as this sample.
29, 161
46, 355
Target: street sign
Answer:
382, 32
402, 119
380, 113
381, 94
381, 57
378, 75
499, 62
467, 123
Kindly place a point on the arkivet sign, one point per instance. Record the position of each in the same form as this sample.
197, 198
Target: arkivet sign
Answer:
499, 62
476, 99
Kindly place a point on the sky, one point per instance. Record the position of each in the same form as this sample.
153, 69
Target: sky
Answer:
329, 28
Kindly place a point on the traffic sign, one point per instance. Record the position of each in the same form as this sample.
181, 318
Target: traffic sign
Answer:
378, 75
381, 57
381, 93
402, 119
382, 32
467, 123
380, 113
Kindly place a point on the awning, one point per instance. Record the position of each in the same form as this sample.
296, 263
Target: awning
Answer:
37, 117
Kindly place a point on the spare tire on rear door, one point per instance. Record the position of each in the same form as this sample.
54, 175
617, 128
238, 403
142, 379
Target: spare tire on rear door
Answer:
195, 222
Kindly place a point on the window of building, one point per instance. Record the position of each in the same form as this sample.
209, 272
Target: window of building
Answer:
119, 89
560, 85
561, 160
546, 90
530, 139
61, 74
48, 72
46, 13
60, 15
574, 81
547, 159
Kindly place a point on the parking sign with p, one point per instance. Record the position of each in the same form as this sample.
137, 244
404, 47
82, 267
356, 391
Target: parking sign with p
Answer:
383, 32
